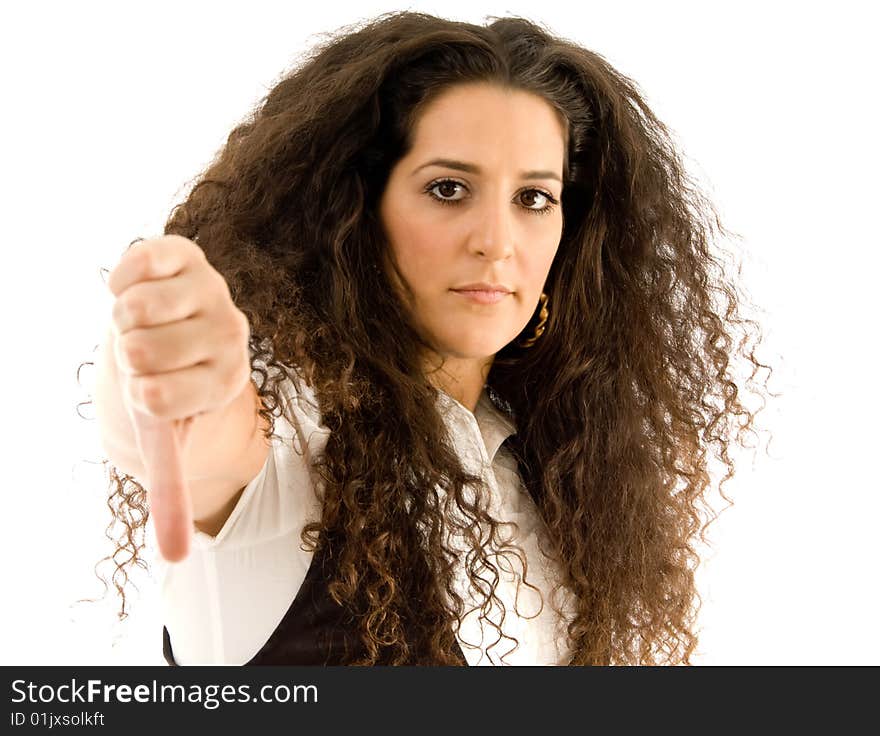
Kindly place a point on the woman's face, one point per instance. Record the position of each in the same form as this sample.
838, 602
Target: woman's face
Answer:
495, 216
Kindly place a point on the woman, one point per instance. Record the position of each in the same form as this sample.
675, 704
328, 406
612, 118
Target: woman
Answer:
474, 272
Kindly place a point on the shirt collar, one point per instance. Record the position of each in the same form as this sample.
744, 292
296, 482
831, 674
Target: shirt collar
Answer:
494, 425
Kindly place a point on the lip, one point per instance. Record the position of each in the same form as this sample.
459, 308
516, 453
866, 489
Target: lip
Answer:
482, 296
484, 286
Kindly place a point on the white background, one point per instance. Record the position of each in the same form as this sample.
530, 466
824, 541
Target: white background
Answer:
111, 109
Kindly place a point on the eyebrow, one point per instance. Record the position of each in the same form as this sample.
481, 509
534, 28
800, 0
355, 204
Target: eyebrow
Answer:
473, 169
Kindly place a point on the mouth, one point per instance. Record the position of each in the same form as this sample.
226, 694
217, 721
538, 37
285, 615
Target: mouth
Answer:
482, 296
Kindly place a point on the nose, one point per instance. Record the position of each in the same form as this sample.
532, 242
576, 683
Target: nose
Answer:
493, 233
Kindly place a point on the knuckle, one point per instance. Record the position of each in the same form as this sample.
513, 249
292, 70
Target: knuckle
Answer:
244, 324
113, 281
143, 258
196, 250
154, 395
230, 324
239, 332
134, 310
134, 351
220, 284
235, 380
118, 315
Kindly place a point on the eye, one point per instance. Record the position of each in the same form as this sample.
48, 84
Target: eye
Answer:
448, 184
445, 184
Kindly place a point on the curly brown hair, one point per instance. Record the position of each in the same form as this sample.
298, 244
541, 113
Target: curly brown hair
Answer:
616, 405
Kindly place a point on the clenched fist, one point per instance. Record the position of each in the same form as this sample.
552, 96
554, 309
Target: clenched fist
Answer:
181, 349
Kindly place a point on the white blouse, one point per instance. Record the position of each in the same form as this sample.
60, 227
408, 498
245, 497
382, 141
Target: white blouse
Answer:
222, 602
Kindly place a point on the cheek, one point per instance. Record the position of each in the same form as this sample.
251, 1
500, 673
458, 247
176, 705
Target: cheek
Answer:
538, 265
422, 257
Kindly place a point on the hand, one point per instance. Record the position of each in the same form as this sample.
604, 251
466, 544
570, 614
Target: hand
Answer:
181, 349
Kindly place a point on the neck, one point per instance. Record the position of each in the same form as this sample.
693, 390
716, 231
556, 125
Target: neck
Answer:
462, 378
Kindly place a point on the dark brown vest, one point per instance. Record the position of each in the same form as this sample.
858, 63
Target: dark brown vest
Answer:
314, 631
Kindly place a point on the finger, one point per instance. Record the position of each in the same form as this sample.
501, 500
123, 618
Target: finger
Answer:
167, 490
156, 302
158, 258
185, 392
153, 350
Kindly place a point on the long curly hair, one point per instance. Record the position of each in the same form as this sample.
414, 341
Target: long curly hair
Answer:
616, 406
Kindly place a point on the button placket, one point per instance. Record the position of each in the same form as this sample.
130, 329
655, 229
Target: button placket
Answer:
508, 503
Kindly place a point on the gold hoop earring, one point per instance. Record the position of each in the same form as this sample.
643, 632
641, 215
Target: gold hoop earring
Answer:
542, 323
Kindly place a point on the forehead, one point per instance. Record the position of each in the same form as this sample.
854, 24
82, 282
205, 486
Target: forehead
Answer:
477, 118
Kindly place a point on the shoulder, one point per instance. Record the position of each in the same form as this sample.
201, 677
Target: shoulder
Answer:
298, 413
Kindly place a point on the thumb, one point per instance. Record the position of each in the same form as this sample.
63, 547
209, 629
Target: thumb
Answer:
161, 444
